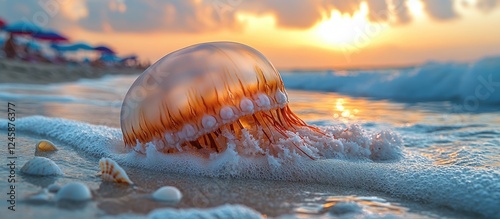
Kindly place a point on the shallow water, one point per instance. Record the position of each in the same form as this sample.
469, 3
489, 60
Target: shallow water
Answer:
450, 165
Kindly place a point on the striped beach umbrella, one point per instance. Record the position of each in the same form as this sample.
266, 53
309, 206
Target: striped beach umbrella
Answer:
22, 27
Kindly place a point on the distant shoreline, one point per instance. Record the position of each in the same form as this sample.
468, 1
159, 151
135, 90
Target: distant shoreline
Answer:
17, 71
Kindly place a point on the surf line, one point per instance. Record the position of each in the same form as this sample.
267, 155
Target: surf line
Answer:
11, 155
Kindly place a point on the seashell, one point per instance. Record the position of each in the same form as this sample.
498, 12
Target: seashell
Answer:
53, 188
167, 194
41, 166
111, 171
74, 191
45, 146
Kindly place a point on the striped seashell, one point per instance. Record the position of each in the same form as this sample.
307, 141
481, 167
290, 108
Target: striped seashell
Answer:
41, 166
111, 171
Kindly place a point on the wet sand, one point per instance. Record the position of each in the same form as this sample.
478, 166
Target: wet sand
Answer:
16, 71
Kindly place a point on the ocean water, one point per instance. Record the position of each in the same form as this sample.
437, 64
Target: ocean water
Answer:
419, 142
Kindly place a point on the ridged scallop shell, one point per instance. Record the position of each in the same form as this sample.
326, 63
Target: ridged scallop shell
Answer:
41, 166
111, 171
167, 194
74, 191
45, 146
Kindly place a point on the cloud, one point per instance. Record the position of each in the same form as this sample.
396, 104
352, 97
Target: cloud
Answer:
440, 10
209, 15
401, 11
174, 16
289, 14
348, 7
378, 10
74, 10
487, 5
23, 10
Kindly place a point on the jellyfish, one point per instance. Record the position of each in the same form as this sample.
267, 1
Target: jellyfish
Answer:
198, 98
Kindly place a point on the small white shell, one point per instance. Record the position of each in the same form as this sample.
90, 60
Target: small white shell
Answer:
111, 171
167, 194
74, 191
41, 166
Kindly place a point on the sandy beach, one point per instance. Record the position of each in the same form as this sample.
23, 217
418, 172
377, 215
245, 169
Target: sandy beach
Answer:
16, 71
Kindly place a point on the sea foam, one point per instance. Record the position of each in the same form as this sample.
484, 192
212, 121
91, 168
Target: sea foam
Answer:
221, 212
412, 177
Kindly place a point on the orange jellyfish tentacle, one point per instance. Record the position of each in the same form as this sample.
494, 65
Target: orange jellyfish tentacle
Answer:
282, 130
208, 95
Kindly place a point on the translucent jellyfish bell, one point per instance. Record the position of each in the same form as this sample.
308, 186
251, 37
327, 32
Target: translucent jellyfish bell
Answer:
187, 100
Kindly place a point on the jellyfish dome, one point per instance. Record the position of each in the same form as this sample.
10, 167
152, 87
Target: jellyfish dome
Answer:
198, 98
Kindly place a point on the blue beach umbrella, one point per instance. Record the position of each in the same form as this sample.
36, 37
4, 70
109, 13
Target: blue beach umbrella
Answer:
109, 57
104, 49
50, 36
34, 45
71, 47
22, 27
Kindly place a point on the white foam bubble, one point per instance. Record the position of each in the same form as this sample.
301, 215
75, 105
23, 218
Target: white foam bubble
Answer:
246, 105
281, 98
226, 113
188, 132
263, 101
208, 122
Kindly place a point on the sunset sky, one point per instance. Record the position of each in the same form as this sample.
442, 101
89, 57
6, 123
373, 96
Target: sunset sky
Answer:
291, 33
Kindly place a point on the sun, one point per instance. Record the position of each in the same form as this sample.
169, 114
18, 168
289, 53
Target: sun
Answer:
416, 8
343, 30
